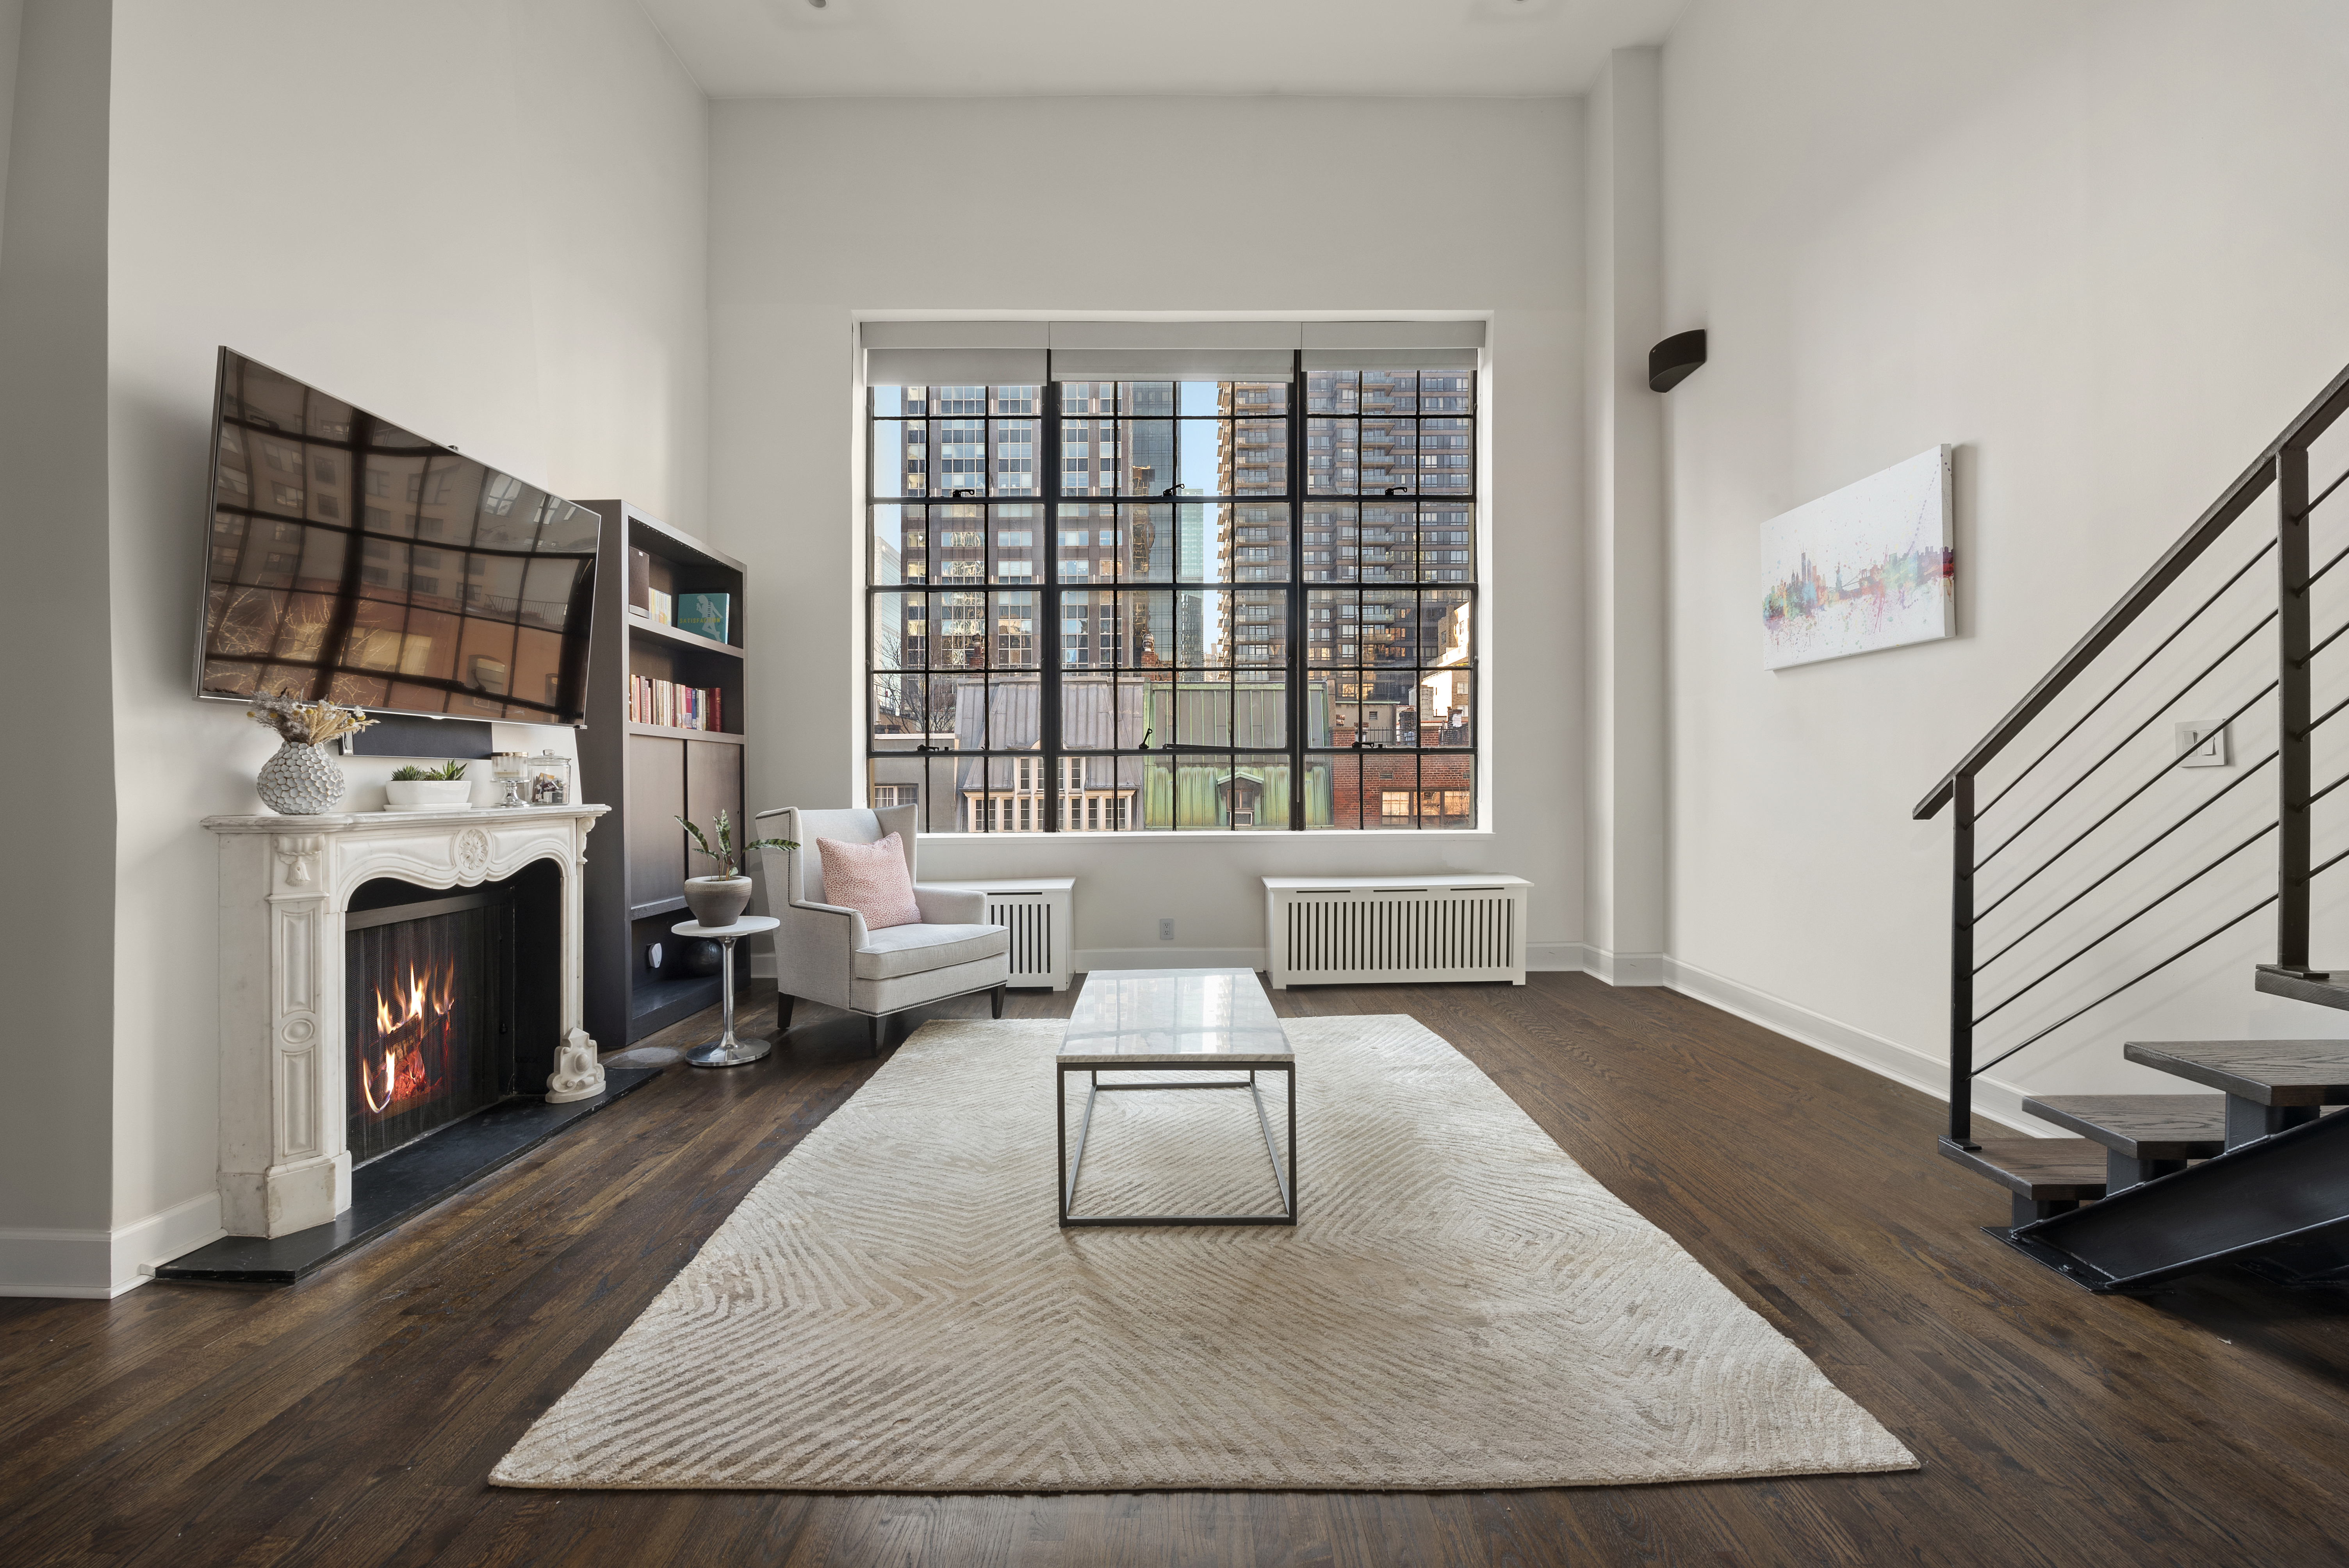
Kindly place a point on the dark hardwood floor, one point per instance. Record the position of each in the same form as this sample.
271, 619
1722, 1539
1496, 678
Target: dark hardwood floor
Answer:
350, 1420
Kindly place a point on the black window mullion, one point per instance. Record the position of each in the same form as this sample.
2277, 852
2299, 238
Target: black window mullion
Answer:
1047, 597
1300, 694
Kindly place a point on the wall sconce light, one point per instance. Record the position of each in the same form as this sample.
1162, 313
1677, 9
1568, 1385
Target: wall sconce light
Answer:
1669, 362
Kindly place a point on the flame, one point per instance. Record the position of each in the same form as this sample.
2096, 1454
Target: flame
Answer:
397, 1071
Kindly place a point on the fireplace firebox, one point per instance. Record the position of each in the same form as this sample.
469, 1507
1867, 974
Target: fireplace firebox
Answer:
450, 998
429, 1028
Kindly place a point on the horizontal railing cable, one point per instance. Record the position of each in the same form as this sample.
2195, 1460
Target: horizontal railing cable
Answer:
2318, 722
2195, 877
2134, 979
2329, 641
2116, 811
2328, 489
2208, 802
2328, 790
2259, 555
2132, 735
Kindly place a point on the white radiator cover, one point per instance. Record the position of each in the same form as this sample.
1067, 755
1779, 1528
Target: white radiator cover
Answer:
1040, 913
1333, 931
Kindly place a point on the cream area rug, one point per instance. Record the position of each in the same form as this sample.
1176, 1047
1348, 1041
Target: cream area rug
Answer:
894, 1308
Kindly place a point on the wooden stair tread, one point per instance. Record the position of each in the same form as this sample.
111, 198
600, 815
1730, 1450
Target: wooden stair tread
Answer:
2323, 990
2271, 1072
2050, 1169
2142, 1126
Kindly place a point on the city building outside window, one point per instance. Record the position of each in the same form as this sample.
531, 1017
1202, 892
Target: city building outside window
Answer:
1121, 606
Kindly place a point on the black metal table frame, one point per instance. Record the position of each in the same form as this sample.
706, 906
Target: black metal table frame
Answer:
1071, 1168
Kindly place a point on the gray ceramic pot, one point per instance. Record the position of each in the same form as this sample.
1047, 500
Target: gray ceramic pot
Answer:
717, 901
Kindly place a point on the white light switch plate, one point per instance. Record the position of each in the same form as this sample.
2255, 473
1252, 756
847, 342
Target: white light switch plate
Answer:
2201, 743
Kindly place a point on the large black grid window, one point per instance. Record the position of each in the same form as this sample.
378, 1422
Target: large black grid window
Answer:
1106, 606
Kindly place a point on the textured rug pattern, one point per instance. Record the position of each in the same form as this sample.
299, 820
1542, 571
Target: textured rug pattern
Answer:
1461, 1305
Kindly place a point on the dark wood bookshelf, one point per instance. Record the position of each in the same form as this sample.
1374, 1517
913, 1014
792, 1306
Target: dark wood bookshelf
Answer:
678, 635
651, 774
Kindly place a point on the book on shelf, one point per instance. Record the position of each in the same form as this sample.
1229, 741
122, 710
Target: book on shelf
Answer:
705, 615
675, 707
664, 608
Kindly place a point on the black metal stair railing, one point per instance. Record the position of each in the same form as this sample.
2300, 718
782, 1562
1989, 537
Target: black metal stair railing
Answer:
2287, 660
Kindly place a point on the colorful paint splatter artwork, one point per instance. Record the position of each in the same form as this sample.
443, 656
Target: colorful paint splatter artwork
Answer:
1869, 567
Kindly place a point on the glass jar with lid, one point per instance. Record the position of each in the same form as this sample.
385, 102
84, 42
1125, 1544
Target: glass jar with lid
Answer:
550, 781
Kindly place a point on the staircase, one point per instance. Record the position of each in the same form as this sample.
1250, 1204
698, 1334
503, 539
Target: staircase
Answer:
2104, 830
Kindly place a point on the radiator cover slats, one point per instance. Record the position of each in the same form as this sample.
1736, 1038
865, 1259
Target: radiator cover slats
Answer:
1327, 931
1040, 914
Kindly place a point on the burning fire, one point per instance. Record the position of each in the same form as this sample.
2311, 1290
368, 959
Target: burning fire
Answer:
397, 1072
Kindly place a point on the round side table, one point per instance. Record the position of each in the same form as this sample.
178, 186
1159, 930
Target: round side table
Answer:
726, 1051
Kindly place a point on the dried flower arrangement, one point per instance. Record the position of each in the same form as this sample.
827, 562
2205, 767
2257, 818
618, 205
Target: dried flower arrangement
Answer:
306, 722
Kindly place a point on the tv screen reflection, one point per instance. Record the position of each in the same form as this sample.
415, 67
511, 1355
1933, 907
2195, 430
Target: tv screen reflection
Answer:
357, 563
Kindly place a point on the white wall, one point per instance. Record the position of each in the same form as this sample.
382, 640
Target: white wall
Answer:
55, 954
2104, 248
486, 221
820, 209
1624, 526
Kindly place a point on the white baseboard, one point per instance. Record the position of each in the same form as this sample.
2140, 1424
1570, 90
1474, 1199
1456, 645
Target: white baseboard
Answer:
2001, 1103
41, 1261
1625, 968
1550, 957
1085, 960
96, 1265
160, 1238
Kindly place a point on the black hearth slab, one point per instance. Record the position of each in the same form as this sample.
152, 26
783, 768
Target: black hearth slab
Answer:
399, 1186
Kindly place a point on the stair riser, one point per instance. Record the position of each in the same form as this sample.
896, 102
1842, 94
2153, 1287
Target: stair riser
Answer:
2248, 1120
2121, 1171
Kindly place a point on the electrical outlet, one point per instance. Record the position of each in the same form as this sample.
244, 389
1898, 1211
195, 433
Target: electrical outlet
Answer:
1166, 931
2201, 743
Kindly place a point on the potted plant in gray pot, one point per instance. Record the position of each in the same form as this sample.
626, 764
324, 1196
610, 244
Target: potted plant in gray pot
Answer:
719, 900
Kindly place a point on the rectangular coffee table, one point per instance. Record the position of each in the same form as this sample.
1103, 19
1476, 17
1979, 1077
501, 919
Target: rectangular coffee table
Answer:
1186, 1019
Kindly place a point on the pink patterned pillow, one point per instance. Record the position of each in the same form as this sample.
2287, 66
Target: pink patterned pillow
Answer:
871, 879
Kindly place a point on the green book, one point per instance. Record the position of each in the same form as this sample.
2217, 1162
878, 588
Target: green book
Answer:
705, 615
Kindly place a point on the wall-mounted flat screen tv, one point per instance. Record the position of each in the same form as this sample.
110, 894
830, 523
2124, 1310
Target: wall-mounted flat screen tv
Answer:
357, 563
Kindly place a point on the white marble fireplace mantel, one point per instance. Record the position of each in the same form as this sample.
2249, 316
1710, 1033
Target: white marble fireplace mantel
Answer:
285, 885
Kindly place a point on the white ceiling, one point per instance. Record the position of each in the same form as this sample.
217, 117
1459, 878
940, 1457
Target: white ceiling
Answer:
984, 48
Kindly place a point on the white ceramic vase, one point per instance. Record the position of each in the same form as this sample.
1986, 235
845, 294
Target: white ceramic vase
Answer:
300, 781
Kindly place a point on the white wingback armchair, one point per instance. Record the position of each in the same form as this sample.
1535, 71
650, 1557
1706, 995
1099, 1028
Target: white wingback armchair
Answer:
824, 952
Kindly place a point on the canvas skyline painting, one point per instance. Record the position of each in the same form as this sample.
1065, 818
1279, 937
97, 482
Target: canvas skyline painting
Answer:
1866, 568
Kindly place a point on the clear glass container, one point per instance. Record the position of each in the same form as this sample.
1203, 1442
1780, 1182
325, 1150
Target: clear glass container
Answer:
510, 769
550, 781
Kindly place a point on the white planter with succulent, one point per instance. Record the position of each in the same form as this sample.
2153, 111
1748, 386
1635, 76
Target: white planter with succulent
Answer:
719, 901
300, 779
441, 788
